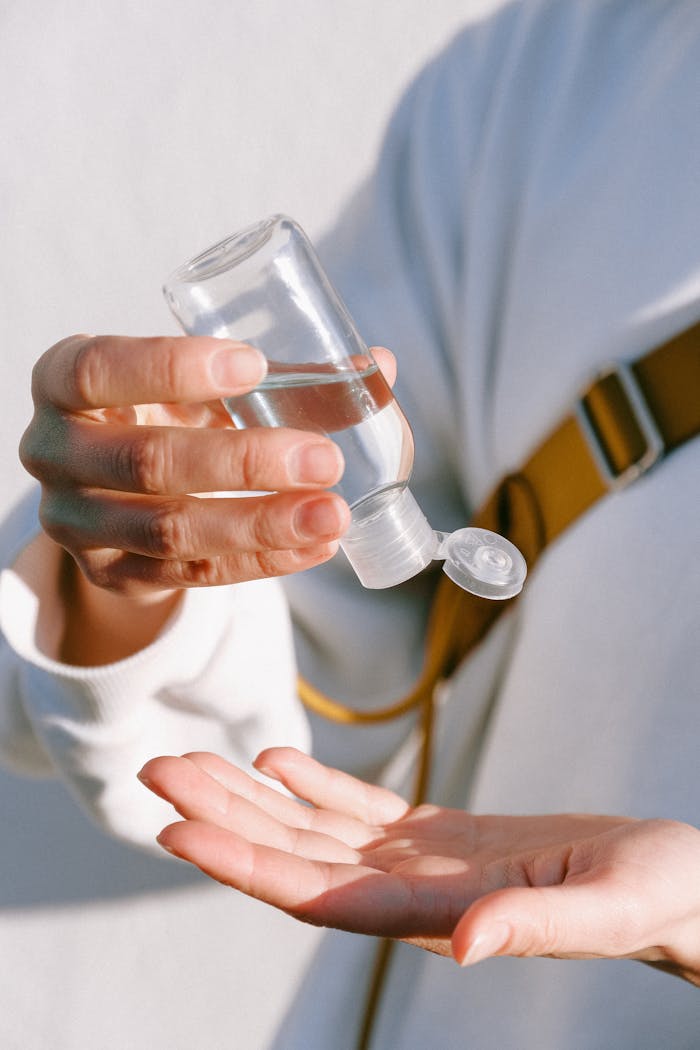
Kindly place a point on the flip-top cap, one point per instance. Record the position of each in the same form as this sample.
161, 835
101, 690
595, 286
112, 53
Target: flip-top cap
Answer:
483, 563
390, 540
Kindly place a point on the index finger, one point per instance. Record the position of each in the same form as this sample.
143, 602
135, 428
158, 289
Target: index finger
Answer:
331, 788
87, 372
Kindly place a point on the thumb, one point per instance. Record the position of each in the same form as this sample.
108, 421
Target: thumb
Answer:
560, 921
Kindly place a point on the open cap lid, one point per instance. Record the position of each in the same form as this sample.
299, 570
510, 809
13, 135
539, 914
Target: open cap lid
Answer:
390, 541
483, 563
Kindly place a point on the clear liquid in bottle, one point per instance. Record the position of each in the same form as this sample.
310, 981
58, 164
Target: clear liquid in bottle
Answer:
356, 408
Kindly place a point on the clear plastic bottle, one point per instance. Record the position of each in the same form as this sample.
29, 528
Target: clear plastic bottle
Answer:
265, 286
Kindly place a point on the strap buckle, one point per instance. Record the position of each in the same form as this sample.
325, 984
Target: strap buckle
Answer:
638, 415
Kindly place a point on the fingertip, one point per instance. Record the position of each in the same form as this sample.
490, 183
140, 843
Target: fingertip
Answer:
144, 773
315, 462
321, 519
281, 752
237, 367
386, 360
148, 773
270, 761
471, 946
462, 936
267, 771
165, 840
264, 764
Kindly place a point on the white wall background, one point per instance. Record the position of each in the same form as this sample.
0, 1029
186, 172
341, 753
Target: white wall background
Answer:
134, 134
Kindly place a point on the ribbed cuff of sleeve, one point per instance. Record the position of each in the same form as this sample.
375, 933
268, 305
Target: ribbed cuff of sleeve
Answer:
110, 692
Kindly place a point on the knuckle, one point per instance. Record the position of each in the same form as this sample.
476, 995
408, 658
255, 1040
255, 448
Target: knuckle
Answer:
249, 565
144, 463
106, 571
167, 531
56, 530
55, 518
203, 572
244, 566
168, 361
124, 574
262, 527
284, 562
260, 459
96, 572
30, 451
267, 563
41, 444
249, 463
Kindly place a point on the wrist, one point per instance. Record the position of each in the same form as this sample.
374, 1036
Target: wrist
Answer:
682, 956
679, 938
102, 627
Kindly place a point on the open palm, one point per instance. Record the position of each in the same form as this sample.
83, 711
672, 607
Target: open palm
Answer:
359, 858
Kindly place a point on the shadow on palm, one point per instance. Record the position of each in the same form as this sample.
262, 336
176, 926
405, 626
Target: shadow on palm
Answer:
353, 856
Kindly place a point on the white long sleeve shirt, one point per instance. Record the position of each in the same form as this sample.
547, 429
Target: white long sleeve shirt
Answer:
534, 214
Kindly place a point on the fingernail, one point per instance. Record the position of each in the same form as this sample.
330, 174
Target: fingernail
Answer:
319, 519
488, 943
168, 848
236, 365
144, 779
318, 463
266, 771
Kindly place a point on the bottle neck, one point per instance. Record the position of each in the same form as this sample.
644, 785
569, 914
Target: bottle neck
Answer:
390, 539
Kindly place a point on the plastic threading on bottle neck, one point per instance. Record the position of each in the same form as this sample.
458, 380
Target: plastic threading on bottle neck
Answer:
389, 539
483, 563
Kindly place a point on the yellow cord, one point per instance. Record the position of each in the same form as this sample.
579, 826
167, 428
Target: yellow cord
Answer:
452, 629
448, 639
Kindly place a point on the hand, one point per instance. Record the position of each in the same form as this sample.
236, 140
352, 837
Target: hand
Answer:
124, 431
360, 859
